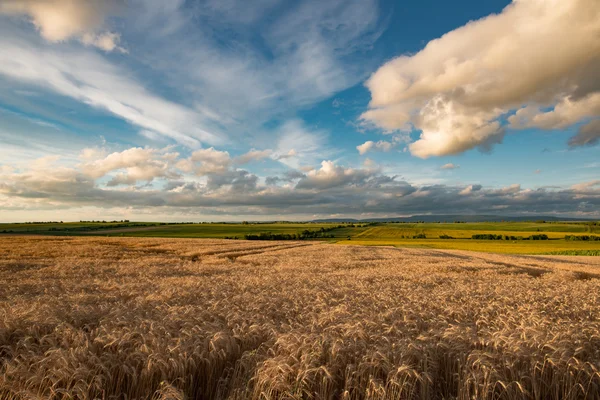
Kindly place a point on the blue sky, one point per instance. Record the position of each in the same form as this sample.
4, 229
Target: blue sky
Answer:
267, 109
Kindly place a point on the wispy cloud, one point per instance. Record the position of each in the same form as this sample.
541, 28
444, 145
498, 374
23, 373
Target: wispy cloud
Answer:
299, 146
89, 78
306, 54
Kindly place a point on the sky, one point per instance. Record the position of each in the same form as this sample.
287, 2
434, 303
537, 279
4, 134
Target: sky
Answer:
227, 110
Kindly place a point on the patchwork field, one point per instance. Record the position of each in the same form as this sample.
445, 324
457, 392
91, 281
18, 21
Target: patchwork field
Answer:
140, 318
441, 235
155, 229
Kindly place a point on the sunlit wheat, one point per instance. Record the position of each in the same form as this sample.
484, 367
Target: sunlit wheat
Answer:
100, 318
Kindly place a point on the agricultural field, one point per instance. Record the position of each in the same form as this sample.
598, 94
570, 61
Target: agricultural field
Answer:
156, 318
156, 229
456, 236
491, 246
459, 237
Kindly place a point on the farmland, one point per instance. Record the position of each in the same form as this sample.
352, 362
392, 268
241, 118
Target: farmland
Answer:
138, 318
155, 229
414, 235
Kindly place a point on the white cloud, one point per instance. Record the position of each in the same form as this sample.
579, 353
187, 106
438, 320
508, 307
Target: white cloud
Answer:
253, 155
367, 146
89, 78
331, 175
233, 88
567, 112
512, 189
150, 135
383, 145
308, 54
536, 53
211, 161
90, 154
586, 186
450, 166
105, 41
48, 185
297, 145
368, 163
289, 154
470, 189
137, 164
60, 20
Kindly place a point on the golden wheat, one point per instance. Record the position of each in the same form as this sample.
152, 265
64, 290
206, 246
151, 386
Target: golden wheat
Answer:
100, 318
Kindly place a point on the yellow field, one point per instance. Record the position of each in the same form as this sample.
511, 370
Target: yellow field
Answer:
395, 232
87, 318
488, 246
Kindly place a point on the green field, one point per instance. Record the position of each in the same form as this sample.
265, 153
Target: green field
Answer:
41, 228
379, 234
155, 229
223, 230
401, 235
491, 246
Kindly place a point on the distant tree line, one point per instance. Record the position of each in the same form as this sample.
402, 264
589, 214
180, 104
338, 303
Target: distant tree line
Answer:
491, 236
306, 234
104, 222
585, 238
38, 222
416, 236
100, 227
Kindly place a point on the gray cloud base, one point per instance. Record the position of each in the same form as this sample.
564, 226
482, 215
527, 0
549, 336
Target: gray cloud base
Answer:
328, 190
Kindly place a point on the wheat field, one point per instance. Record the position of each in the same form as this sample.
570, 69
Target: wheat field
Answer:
129, 318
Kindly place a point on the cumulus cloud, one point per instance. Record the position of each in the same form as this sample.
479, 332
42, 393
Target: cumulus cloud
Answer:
585, 186
136, 164
330, 175
220, 169
59, 20
48, 184
587, 135
539, 57
470, 189
287, 177
367, 146
211, 161
383, 145
450, 166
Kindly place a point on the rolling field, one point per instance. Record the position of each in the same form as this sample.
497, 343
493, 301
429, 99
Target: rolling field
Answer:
489, 246
219, 231
387, 234
149, 318
401, 235
155, 229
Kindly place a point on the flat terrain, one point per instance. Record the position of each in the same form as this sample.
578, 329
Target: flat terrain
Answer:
458, 236
155, 229
140, 318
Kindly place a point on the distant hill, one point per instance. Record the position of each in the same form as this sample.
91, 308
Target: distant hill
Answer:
453, 218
